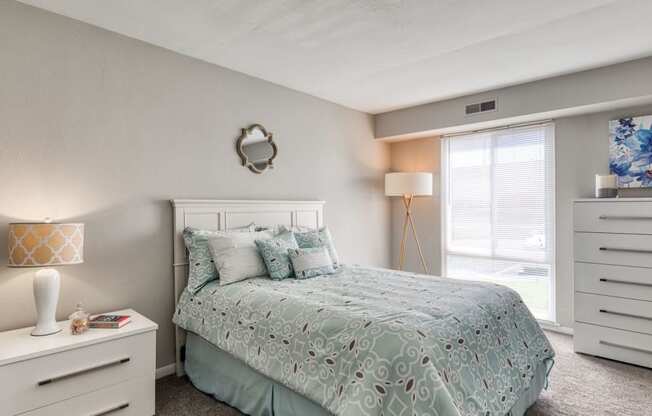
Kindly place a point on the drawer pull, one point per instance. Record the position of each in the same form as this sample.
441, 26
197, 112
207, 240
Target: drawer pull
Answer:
111, 410
84, 371
627, 347
625, 282
628, 315
624, 217
626, 250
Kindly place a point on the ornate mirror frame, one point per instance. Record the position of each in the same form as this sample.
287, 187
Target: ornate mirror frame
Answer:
269, 139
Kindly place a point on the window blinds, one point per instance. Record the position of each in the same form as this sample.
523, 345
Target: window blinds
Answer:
498, 206
498, 189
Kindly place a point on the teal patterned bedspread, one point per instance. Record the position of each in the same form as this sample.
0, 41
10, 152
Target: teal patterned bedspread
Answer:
372, 342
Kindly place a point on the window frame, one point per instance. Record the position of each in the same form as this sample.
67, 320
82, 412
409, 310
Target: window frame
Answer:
444, 200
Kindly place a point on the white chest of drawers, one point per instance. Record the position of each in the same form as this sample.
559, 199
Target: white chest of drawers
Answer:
613, 278
102, 372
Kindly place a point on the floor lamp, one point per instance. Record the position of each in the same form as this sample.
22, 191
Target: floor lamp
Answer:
409, 185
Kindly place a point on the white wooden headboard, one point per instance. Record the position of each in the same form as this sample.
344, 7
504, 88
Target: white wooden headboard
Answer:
209, 214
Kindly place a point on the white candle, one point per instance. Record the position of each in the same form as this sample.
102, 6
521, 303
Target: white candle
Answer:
605, 181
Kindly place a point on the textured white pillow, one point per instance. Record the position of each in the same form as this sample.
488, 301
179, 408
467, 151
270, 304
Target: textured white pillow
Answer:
239, 263
201, 267
236, 256
222, 242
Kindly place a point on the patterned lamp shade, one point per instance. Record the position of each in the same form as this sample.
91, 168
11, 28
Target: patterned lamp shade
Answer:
45, 244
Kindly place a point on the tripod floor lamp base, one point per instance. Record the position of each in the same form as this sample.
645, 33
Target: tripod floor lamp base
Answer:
408, 221
408, 185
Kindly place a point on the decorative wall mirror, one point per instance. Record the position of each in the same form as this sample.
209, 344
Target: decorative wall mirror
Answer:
256, 148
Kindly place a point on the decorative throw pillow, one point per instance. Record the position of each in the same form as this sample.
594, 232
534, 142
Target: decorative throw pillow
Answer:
201, 269
311, 262
275, 254
318, 238
236, 257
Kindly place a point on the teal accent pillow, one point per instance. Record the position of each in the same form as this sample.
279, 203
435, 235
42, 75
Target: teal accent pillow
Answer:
201, 268
275, 254
311, 262
318, 238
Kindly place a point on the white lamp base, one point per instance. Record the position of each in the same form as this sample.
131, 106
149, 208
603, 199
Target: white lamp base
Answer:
46, 297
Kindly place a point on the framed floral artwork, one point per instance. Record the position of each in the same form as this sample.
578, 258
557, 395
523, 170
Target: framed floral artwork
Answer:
630, 151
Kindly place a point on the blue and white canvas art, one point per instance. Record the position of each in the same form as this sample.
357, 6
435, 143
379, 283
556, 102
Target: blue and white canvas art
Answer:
630, 151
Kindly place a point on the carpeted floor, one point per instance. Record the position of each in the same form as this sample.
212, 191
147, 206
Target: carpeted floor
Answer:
579, 385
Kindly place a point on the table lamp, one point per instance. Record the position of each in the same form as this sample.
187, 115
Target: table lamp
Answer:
42, 245
408, 185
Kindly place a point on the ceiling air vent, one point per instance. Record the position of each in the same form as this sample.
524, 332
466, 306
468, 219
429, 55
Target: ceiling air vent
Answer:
480, 107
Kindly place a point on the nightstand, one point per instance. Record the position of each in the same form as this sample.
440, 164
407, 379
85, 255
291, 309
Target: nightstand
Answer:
101, 372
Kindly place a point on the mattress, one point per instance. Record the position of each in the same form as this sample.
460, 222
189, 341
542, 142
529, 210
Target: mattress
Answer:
370, 341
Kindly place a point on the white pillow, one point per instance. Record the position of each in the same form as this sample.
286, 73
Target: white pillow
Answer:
236, 256
201, 267
239, 263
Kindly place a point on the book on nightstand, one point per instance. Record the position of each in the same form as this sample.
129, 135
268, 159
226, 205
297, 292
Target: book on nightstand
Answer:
108, 321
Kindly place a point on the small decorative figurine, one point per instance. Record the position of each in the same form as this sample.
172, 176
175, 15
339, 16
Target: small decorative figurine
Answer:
78, 320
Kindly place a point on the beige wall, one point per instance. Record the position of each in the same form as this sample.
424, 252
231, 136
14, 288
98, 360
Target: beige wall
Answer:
418, 156
100, 128
581, 151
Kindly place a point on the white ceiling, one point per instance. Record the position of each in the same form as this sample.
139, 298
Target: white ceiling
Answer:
379, 55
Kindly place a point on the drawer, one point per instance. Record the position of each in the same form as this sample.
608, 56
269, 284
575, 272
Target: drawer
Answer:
613, 217
623, 281
131, 398
628, 314
30, 384
630, 347
618, 249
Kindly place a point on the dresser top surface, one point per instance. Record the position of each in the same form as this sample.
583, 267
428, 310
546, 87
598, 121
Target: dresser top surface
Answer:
613, 200
19, 345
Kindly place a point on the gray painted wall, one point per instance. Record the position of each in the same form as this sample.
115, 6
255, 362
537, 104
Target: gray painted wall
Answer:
100, 128
581, 151
616, 86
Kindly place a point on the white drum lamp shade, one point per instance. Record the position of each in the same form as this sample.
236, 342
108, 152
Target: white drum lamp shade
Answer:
41, 245
408, 183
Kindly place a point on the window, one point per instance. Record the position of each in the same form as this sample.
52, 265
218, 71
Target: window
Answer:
498, 217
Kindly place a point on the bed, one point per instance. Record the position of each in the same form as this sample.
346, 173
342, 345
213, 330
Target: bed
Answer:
364, 341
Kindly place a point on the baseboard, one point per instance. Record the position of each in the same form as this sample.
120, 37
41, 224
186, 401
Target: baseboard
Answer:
166, 370
555, 327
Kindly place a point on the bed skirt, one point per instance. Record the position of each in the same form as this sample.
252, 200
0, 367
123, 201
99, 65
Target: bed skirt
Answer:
229, 380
